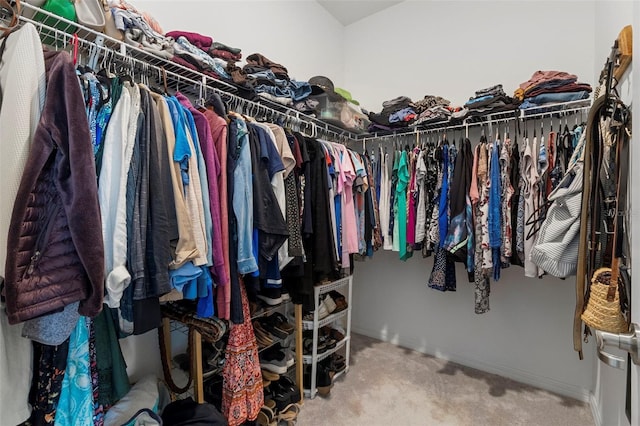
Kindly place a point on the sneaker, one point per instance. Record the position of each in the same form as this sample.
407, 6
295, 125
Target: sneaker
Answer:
280, 323
291, 360
270, 296
288, 353
285, 294
274, 361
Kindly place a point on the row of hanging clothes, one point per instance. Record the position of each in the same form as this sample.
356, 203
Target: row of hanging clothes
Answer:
148, 197
480, 204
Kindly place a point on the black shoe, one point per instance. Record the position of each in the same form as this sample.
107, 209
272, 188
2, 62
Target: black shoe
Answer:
274, 361
270, 296
323, 379
269, 324
285, 386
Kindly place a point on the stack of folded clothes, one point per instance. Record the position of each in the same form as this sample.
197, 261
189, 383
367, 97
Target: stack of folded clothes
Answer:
192, 48
396, 113
545, 87
222, 51
141, 30
432, 109
269, 80
490, 100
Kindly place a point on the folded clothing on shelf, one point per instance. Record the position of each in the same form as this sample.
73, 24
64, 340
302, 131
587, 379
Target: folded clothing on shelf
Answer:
397, 112
552, 98
490, 100
430, 101
551, 87
199, 57
198, 40
162, 47
225, 54
259, 61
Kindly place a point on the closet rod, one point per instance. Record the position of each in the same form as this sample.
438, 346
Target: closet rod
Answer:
418, 133
57, 27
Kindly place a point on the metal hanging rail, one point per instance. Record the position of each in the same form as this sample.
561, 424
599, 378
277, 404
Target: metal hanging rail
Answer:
525, 115
196, 83
56, 28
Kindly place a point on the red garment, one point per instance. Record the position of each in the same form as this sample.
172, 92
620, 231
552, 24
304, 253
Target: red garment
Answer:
225, 54
242, 392
219, 136
198, 40
542, 76
551, 154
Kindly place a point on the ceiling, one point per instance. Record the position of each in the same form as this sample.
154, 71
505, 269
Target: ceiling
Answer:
350, 11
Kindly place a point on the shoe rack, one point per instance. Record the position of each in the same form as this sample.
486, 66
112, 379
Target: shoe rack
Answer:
317, 323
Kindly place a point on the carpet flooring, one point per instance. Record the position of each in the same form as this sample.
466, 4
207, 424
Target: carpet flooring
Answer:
390, 385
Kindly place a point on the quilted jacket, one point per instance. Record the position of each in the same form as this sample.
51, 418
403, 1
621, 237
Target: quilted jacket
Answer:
55, 250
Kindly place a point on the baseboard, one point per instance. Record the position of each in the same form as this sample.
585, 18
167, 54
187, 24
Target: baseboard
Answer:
555, 386
595, 410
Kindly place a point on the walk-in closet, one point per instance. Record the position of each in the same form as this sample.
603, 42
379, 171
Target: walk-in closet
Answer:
319, 213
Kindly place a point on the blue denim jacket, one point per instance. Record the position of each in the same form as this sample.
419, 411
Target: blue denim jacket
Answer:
243, 200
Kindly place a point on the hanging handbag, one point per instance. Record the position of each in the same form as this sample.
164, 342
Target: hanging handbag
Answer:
604, 308
90, 13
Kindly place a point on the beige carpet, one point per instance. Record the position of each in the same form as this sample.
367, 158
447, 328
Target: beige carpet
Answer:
389, 385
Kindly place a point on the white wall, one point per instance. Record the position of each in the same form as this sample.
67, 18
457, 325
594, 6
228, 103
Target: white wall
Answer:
301, 35
453, 48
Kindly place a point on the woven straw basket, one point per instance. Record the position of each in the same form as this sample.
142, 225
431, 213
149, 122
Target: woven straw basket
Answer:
600, 313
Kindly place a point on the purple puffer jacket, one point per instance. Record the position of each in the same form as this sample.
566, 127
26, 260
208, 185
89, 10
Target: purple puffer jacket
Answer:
55, 252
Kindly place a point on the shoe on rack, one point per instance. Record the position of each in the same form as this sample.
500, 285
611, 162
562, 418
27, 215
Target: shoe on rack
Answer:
332, 333
286, 386
290, 358
288, 353
307, 346
266, 417
323, 379
340, 301
329, 304
285, 294
270, 296
269, 325
262, 336
269, 375
279, 322
274, 361
322, 313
